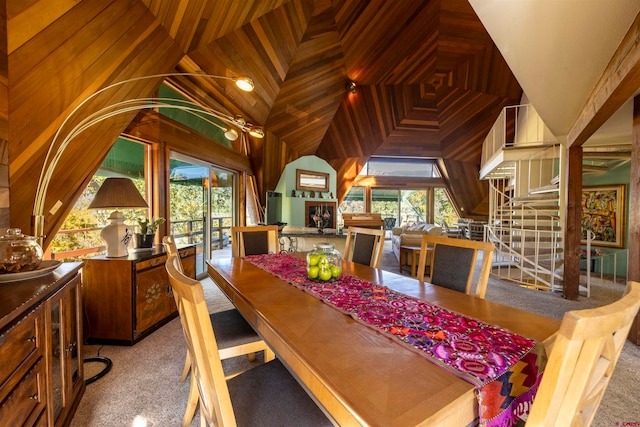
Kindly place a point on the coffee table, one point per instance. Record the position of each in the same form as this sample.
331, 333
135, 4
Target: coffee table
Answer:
413, 252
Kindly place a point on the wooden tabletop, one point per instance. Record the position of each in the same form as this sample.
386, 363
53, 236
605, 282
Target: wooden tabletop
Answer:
360, 376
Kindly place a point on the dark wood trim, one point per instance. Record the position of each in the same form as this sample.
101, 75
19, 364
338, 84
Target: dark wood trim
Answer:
616, 85
634, 212
571, 286
300, 173
151, 126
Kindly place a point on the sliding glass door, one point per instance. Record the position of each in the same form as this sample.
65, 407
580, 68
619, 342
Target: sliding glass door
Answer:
202, 200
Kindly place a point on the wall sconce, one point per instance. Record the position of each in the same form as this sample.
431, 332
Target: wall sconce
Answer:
63, 137
351, 86
117, 193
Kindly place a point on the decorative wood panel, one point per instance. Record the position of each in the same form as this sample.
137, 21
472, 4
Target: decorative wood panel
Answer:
430, 82
118, 40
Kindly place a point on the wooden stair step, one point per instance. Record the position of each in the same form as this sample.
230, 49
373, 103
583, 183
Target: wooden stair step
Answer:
539, 217
541, 251
535, 197
545, 189
520, 206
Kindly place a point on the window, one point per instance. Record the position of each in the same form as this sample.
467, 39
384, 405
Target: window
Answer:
413, 207
201, 206
354, 201
79, 235
443, 210
388, 166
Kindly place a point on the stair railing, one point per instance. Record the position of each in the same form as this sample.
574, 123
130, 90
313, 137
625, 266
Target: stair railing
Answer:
519, 245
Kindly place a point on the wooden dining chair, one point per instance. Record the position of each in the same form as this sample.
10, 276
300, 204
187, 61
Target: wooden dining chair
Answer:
452, 263
264, 395
364, 246
583, 357
235, 337
254, 240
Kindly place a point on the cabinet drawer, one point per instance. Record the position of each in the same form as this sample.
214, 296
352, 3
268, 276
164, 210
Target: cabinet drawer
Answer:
21, 344
26, 400
153, 262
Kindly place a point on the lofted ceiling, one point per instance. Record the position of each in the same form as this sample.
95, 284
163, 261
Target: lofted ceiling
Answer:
575, 44
429, 80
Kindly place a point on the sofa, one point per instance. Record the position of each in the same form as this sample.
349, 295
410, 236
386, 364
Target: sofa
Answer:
411, 235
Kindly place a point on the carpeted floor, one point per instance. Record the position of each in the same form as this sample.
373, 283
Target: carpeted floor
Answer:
142, 389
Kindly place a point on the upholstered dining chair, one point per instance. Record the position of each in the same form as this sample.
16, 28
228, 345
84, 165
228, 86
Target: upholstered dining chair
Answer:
235, 337
364, 246
264, 395
452, 263
254, 240
582, 359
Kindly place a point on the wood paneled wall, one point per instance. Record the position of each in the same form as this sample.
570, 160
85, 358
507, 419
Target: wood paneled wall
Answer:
430, 83
57, 61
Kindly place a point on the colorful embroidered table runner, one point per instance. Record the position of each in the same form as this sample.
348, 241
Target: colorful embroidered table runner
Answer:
505, 367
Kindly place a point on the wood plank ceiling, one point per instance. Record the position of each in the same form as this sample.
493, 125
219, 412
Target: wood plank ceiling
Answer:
430, 81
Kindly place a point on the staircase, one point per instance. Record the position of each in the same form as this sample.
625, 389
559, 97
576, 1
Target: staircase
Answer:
527, 233
522, 160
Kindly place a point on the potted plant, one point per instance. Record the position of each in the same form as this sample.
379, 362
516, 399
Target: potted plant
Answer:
148, 229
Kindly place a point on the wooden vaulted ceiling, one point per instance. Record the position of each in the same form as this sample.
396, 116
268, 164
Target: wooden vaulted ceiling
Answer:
430, 83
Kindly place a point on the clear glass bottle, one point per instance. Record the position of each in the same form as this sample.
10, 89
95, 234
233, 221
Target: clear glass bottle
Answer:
324, 263
18, 252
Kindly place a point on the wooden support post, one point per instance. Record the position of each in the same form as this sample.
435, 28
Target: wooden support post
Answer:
633, 265
571, 286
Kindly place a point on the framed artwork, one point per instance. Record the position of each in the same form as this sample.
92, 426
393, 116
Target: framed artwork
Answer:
312, 181
603, 214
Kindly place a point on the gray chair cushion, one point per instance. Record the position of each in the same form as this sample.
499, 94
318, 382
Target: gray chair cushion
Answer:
451, 266
256, 243
231, 329
268, 395
363, 248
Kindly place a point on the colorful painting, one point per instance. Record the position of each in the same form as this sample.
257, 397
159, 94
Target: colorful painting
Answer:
603, 212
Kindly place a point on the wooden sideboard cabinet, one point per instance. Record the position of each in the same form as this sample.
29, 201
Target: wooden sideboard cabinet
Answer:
126, 299
41, 373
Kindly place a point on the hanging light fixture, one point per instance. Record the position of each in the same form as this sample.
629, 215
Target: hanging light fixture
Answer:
244, 83
257, 132
63, 136
231, 134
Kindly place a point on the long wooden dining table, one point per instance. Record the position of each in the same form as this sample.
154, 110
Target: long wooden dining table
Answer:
358, 375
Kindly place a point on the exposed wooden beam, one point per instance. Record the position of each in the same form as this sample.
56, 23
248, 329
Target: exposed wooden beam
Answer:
153, 127
571, 286
619, 82
634, 211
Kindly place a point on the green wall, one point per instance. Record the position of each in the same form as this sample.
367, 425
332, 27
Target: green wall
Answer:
293, 208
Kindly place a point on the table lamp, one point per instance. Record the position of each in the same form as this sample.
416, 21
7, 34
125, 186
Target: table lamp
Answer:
117, 193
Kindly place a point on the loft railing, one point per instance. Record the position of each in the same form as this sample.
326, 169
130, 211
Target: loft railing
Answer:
516, 126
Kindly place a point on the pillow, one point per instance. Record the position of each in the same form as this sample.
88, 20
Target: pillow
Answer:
435, 231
